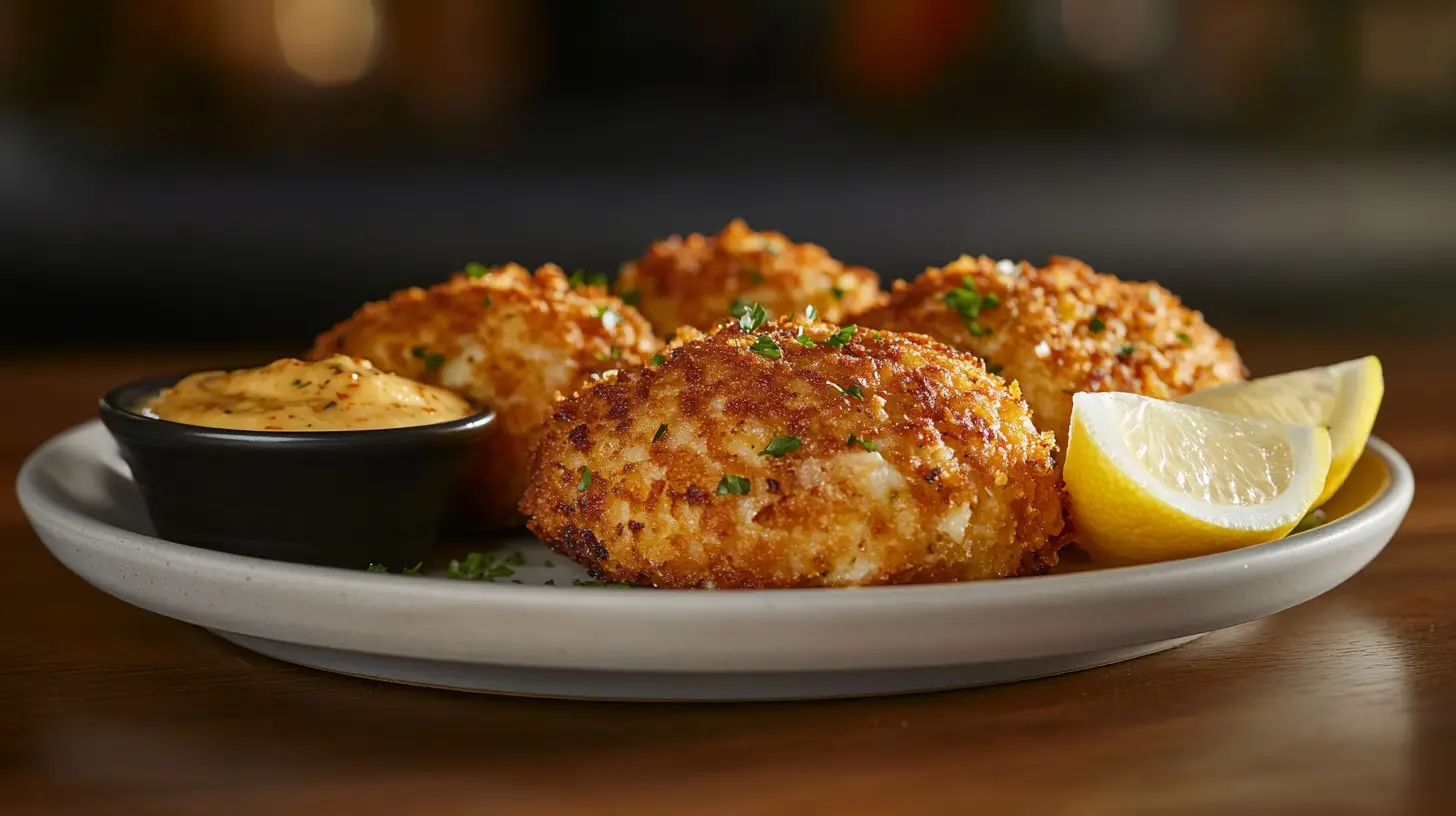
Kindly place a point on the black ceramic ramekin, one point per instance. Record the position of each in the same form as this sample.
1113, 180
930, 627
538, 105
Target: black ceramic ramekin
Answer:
331, 498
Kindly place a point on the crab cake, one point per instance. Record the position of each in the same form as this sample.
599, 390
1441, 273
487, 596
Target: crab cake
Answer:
504, 338
696, 281
794, 455
1063, 328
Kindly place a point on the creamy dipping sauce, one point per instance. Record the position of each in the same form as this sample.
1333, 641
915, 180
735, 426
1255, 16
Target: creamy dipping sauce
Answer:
337, 394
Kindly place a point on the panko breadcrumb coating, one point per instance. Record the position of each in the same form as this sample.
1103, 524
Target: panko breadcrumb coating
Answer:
506, 339
798, 455
695, 281
1061, 329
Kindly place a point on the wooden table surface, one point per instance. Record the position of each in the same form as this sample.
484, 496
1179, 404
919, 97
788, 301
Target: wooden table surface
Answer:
1344, 704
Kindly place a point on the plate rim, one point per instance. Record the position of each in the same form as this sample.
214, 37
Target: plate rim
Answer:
723, 614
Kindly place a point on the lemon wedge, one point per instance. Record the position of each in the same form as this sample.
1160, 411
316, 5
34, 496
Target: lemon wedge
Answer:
1153, 480
1344, 397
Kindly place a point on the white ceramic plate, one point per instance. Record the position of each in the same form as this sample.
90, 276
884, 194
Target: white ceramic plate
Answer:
569, 641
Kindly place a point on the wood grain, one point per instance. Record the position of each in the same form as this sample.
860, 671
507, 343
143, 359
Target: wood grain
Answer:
1346, 704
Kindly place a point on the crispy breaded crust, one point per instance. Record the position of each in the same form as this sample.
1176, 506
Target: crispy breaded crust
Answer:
694, 281
959, 485
1043, 333
508, 339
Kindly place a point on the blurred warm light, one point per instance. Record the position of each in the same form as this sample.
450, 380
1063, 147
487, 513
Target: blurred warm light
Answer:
1115, 33
328, 42
1408, 49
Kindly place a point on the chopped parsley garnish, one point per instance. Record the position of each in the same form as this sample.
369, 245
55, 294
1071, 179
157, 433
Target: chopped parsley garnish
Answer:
755, 277
738, 307
782, 446
478, 567
418, 352
488, 302
581, 277
616, 352
1096, 325
731, 485
301, 383
515, 559
608, 316
415, 570
632, 297
970, 303
805, 340
658, 359
867, 444
1185, 339
330, 404
840, 339
585, 482
433, 362
1126, 351
476, 271
751, 317
837, 292
854, 391
765, 347
811, 314
661, 432
876, 335
993, 368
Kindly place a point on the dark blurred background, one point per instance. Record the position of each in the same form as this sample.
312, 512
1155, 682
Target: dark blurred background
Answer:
210, 172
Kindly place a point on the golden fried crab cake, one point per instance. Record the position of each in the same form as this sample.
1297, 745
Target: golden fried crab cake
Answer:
796, 455
1061, 329
504, 338
696, 281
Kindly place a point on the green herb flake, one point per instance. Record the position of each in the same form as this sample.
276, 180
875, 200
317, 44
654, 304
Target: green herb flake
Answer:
994, 368
840, 339
487, 303
376, 568
1095, 325
585, 482
811, 314
330, 404
478, 567
658, 359
302, 383
433, 362
581, 278
751, 317
416, 569
969, 304
765, 347
836, 292
515, 559
661, 432
867, 444
1185, 339
731, 485
476, 271
418, 352
782, 446
755, 277
854, 391
805, 340
738, 307
1126, 351
632, 297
